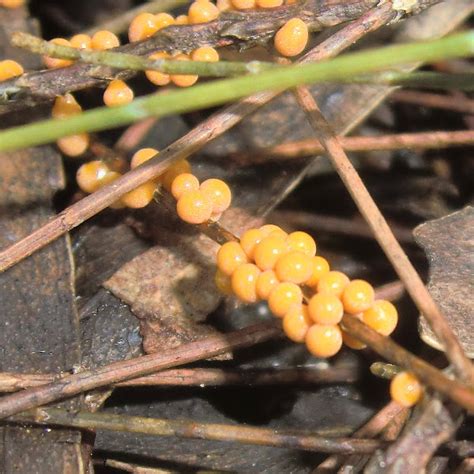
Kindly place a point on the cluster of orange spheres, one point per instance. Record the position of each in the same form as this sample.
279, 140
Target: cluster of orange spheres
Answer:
269, 264
197, 203
99, 41
405, 389
204, 53
93, 175
117, 92
72, 145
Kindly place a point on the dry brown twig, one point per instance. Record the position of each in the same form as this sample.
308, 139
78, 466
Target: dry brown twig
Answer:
437, 101
218, 432
311, 147
140, 366
355, 463
12, 382
355, 227
384, 235
370, 430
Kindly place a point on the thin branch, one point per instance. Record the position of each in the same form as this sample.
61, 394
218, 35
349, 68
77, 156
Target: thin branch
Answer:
410, 141
195, 430
370, 430
231, 28
140, 366
437, 101
207, 130
138, 63
134, 134
425, 372
12, 382
390, 291
219, 432
384, 235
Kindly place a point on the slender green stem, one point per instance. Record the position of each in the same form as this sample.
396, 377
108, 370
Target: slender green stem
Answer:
138, 63
222, 91
420, 80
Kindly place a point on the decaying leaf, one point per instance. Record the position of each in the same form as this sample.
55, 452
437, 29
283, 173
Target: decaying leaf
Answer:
171, 289
449, 245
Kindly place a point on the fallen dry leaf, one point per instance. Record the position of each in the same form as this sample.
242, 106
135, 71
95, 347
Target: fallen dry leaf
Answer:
449, 246
170, 287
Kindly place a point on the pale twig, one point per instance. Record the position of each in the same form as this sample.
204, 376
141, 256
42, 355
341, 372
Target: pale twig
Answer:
370, 430
12, 382
426, 373
195, 430
219, 432
384, 235
402, 141
145, 365
437, 101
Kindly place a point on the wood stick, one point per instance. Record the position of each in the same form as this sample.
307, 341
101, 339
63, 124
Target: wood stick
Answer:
425, 372
384, 235
400, 141
195, 430
12, 382
137, 367
370, 430
437, 101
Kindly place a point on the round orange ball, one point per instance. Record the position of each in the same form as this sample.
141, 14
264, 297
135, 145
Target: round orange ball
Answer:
283, 297
294, 266
268, 251
333, 282
324, 340
218, 192
325, 308
296, 323
194, 207
382, 317
230, 256
357, 296
406, 389
182, 183
244, 282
